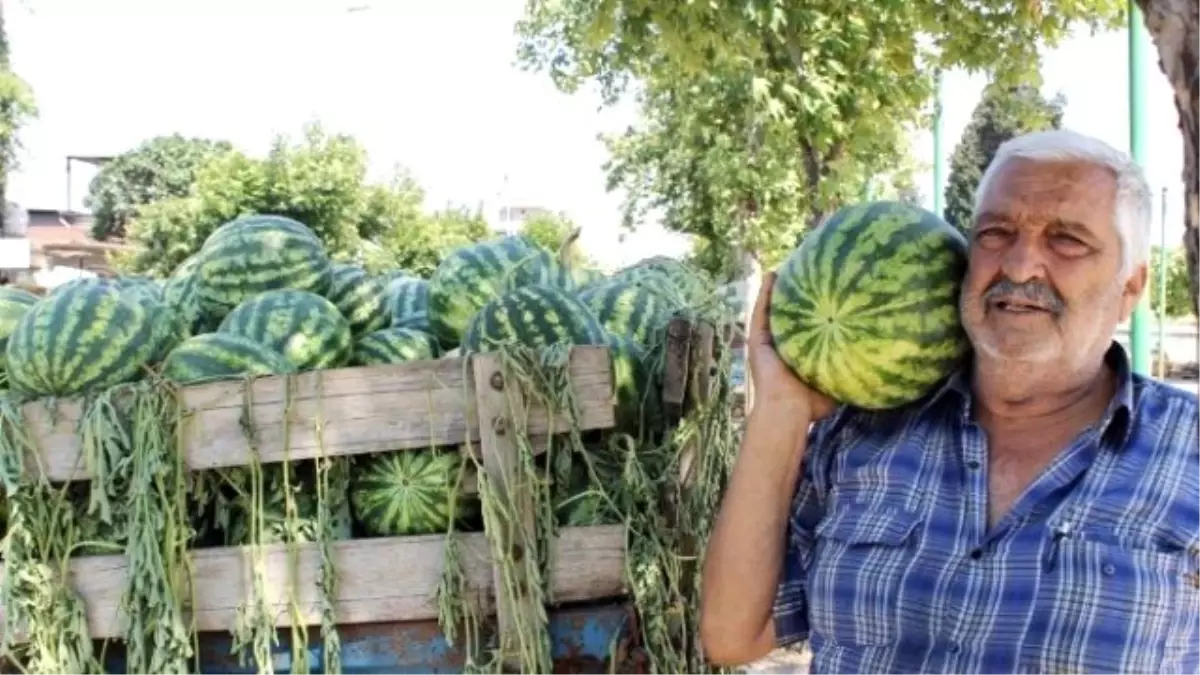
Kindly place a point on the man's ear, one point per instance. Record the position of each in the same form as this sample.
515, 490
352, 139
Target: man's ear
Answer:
1135, 285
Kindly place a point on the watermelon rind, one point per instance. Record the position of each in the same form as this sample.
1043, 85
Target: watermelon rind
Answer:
393, 345
255, 254
359, 296
85, 338
409, 492
471, 276
865, 309
533, 316
305, 328
222, 356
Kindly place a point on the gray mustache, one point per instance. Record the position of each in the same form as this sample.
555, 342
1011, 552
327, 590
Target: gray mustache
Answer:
1031, 291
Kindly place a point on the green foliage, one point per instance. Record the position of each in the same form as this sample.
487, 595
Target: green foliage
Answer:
760, 118
552, 231
418, 242
160, 168
17, 108
1178, 298
1002, 113
318, 180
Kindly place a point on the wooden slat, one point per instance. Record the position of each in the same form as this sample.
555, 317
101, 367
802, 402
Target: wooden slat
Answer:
371, 409
495, 399
393, 579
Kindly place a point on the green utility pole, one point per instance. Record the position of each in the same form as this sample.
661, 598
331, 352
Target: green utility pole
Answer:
1139, 324
1162, 288
939, 187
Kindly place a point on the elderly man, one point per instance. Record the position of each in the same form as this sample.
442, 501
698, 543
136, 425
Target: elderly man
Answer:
1039, 512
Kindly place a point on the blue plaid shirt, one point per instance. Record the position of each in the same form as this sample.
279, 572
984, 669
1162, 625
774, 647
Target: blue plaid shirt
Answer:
890, 566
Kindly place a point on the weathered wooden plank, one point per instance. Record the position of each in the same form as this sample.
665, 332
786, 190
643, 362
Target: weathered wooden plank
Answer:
391, 579
495, 399
359, 410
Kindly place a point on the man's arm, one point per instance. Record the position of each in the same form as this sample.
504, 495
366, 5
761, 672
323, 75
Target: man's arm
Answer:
746, 551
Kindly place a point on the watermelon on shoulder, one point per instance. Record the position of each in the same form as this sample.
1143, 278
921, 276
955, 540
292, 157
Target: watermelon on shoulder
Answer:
866, 308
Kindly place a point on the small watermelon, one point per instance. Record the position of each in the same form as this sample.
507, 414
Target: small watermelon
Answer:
85, 338
307, 329
408, 492
394, 345
14, 304
866, 308
360, 297
249, 256
472, 276
631, 309
534, 316
219, 356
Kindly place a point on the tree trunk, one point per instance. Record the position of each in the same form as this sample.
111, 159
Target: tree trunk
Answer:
1173, 24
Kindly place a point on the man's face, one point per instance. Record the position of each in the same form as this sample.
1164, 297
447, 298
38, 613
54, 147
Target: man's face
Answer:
1042, 281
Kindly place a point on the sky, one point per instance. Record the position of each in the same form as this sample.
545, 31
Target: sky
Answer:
428, 85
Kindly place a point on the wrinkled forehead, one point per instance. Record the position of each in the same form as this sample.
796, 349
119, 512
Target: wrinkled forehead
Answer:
1038, 193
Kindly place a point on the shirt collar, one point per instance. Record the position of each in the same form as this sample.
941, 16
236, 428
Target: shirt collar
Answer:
1117, 417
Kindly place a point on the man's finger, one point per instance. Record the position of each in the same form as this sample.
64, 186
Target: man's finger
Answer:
759, 324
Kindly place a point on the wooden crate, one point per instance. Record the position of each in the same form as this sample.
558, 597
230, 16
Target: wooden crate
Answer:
352, 411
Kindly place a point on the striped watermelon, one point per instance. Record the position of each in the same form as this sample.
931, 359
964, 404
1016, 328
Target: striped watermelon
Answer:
472, 276
14, 304
626, 308
865, 310
85, 338
255, 254
307, 329
535, 316
407, 492
637, 402
685, 286
218, 356
393, 345
408, 298
360, 297
179, 292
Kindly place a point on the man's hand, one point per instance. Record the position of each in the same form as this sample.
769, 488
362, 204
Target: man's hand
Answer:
777, 390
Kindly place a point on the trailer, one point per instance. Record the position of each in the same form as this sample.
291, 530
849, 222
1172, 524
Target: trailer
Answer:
386, 602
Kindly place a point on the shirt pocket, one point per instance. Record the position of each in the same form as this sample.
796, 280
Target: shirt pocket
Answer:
860, 555
1110, 607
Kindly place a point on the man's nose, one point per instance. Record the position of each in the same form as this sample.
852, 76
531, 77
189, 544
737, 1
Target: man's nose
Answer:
1024, 260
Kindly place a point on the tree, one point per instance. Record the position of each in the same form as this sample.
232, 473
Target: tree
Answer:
160, 168
761, 118
553, 231
1178, 299
419, 244
1002, 113
17, 108
1175, 27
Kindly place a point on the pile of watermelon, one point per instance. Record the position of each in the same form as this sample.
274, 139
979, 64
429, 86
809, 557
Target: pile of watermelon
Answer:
262, 296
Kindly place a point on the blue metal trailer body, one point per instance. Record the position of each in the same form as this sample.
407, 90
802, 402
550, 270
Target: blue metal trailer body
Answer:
582, 640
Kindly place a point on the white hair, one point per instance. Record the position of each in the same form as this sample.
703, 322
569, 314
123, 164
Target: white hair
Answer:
1134, 206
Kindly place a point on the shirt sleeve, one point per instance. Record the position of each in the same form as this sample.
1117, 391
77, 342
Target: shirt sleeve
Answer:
791, 596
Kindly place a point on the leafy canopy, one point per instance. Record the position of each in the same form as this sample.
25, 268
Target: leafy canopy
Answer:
760, 118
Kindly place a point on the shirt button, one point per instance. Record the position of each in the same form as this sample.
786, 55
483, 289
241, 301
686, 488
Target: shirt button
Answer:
952, 647
973, 465
1109, 569
977, 554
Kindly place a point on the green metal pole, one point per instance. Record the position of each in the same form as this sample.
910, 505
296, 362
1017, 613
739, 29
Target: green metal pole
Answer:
1139, 328
939, 187
1162, 288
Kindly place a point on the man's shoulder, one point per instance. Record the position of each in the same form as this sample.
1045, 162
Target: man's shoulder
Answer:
1166, 417
850, 425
